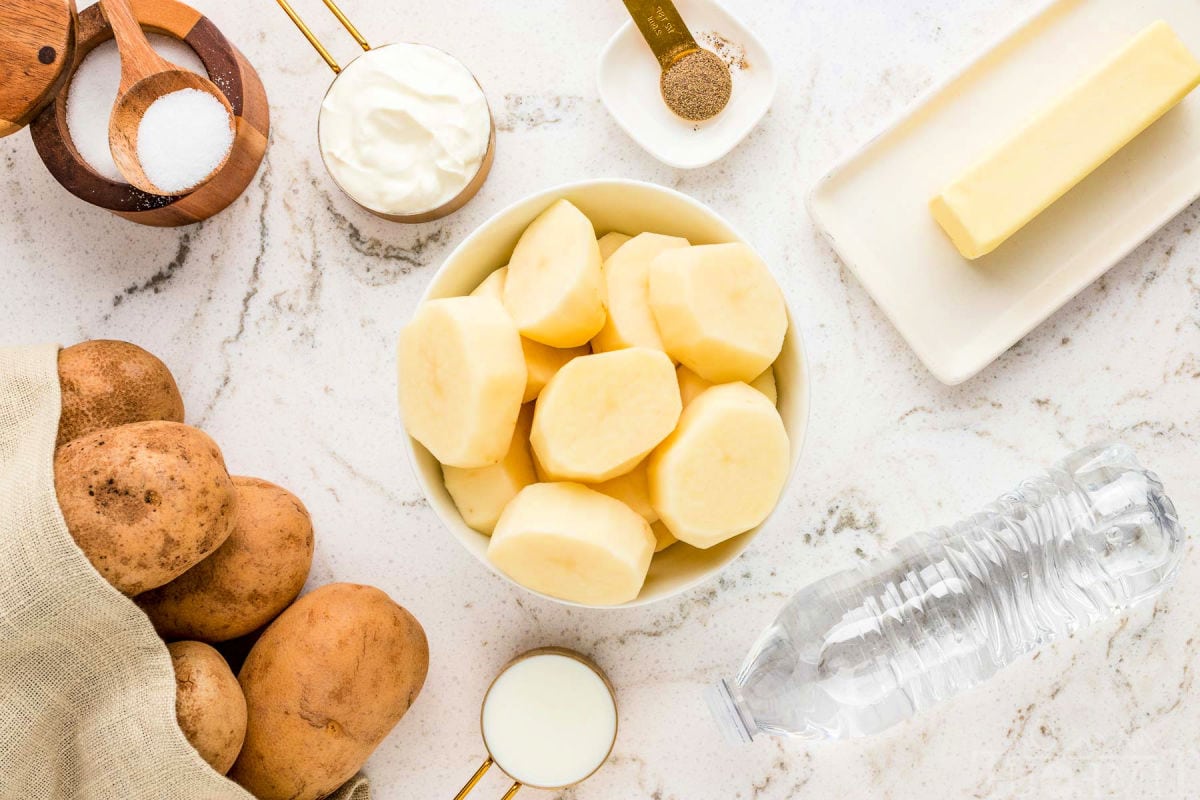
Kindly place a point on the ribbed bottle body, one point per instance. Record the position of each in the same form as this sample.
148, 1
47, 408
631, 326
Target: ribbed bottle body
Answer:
865, 648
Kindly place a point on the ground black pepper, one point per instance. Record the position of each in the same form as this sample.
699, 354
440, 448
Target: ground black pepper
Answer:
697, 87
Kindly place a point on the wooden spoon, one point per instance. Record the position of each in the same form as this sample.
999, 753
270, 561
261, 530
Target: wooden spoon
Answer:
145, 77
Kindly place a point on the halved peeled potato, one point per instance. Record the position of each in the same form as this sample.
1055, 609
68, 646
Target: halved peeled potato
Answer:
554, 289
691, 385
541, 361
609, 243
543, 475
722, 470
765, 383
718, 310
482, 493
663, 538
462, 375
601, 414
492, 286
632, 489
570, 542
630, 321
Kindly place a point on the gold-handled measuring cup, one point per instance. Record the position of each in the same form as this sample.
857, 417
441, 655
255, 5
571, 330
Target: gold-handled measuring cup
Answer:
454, 203
514, 771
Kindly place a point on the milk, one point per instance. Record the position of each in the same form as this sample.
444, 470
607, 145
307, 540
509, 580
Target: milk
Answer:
549, 721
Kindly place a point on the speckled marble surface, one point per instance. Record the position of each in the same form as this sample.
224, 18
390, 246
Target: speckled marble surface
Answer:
279, 318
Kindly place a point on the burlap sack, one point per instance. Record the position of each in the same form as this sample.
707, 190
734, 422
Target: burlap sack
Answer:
87, 694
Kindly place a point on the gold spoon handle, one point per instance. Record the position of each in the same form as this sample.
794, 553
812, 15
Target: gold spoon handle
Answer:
512, 792
663, 29
479, 773
138, 58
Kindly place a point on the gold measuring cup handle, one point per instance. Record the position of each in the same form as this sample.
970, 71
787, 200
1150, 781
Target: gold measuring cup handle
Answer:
312, 37
479, 773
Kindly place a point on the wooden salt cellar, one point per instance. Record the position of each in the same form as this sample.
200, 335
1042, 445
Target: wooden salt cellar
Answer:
227, 68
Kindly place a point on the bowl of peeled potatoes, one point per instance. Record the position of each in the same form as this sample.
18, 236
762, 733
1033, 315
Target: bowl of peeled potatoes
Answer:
604, 393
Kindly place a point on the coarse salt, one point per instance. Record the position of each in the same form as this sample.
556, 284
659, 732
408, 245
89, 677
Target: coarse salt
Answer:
182, 138
93, 91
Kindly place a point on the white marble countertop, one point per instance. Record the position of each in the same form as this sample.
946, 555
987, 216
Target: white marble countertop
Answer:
279, 318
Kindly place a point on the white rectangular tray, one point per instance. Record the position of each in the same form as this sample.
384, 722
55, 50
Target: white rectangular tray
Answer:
959, 315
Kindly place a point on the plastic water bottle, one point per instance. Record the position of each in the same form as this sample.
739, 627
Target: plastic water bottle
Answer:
868, 647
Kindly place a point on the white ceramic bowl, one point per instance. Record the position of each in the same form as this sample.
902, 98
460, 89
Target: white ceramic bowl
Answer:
630, 207
627, 78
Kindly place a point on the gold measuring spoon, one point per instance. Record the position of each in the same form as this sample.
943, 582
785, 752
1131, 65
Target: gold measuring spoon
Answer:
500, 734
145, 77
695, 82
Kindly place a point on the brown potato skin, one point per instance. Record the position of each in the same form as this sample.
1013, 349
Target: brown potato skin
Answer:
106, 383
247, 581
209, 704
145, 501
327, 681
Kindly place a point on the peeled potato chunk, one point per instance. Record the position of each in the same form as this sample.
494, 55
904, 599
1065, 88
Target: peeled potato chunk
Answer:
632, 489
462, 375
718, 310
543, 475
609, 243
602, 414
630, 321
541, 361
554, 290
663, 538
691, 384
721, 472
492, 286
765, 383
482, 493
570, 542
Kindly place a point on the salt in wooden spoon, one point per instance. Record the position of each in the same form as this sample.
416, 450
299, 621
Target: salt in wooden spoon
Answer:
145, 77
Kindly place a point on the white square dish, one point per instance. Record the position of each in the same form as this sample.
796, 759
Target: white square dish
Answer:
628, 84
959, 315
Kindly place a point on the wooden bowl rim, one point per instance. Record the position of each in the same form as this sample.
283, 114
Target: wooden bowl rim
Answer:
50, 132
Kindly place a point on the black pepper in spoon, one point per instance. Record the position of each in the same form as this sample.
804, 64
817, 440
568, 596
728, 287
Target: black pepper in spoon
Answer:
697, 86
695, 82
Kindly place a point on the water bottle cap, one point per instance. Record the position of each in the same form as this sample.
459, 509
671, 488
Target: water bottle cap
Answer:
725, 712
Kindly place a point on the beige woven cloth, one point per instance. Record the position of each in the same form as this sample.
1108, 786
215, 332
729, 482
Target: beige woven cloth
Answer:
87, 693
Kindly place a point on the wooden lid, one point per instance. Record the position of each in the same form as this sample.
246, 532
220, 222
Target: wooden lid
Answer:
37, 43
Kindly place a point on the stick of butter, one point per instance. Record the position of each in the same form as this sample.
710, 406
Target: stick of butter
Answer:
1062, 145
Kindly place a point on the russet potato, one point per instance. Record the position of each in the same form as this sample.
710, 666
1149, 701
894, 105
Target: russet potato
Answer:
249, 579
145, 501
209, 704
106, 383
324, 684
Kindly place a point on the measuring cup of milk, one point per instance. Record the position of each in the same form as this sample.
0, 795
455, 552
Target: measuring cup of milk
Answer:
549, 721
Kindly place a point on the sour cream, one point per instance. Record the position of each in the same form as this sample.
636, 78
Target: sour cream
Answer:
404, 129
